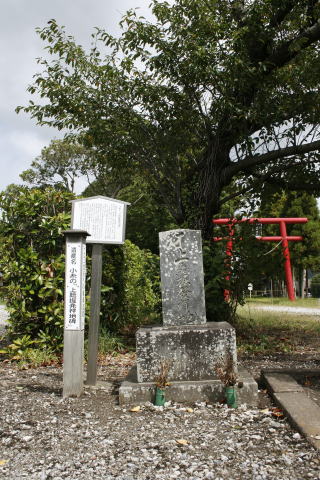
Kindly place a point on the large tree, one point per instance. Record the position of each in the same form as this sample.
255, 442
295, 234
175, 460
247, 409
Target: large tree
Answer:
59, 165
210, 93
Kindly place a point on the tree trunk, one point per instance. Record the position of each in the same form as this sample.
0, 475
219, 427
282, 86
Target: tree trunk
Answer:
302, 279
209, 187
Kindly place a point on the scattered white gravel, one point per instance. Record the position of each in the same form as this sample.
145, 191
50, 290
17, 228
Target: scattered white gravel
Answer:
44, 437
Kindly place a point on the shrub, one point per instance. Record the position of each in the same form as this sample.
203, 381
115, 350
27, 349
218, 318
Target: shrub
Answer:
315, 286
131, 287
32, 261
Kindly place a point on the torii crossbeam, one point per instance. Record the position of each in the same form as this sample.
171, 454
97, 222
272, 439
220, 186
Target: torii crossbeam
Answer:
283, 238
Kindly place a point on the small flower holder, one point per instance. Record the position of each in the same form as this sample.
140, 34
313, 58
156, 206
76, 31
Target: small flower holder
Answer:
160, 397
231, 396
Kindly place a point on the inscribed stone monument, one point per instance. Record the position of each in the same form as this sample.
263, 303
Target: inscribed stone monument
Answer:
191, 346
186, 342
182, 286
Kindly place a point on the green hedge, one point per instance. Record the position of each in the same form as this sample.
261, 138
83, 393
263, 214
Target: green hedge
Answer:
32, 263
315, 286
131, 292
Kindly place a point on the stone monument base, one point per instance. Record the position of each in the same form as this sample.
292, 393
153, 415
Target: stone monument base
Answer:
193, 351
133, 393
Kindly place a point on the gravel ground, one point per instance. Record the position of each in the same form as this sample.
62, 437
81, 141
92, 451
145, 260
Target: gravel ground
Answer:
45, 437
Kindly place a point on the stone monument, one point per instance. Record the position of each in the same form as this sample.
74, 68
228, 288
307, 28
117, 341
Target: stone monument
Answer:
191, 346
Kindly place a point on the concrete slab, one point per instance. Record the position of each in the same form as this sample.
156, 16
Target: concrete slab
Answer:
302, 412
131, 392
294, 372
193, 351
278, 382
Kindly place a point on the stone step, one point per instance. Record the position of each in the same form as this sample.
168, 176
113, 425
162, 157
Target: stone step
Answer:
302, 412
133, 393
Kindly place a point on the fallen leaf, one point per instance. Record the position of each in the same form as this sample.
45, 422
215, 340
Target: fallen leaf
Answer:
135, 409
276, 412
317, 437
182, 441
265, 410
3, 462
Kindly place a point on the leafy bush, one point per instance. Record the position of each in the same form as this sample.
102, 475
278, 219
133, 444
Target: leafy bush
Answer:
32, 261
213, 263
108, 343
25, 351
131, 287
315, 286
228, 272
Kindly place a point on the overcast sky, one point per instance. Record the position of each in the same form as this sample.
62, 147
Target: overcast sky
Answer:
21, 140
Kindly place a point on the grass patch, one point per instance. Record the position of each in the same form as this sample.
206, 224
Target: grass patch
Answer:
108, 343
299, 302
263, 332
36, 357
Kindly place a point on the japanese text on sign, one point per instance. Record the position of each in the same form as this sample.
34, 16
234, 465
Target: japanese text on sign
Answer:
74, 291
103, 218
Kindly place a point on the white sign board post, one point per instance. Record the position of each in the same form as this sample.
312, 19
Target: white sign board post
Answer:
105, 219
74, 312
250, 288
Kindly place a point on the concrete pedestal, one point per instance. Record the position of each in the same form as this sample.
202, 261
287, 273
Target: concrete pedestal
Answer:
132, 392
193, 351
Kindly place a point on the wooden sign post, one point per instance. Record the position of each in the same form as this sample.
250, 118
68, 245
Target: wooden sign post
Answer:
105, 219
74, 312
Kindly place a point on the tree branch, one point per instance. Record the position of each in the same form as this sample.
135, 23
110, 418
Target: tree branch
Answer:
309, 187
260, 179
286, 51
252, 161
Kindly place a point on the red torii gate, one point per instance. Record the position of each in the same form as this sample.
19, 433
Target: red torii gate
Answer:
283, 238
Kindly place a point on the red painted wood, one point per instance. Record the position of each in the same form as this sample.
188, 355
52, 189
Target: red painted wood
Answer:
225, 221
283, 238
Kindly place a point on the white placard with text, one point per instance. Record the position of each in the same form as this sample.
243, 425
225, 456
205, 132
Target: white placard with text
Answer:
102, 217
74, 304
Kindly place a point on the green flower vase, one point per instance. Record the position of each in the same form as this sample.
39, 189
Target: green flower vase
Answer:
231, 397
160, 397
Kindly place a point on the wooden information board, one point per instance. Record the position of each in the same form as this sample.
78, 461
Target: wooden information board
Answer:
102, 217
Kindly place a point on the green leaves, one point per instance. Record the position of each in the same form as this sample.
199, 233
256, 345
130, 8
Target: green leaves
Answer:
193, 100
32, 260
32, 263
130, 295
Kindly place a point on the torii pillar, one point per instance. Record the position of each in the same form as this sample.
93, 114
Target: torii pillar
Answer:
283, 238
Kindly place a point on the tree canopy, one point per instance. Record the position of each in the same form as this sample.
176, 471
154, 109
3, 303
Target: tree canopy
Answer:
207, 95
63, 161
59, 165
